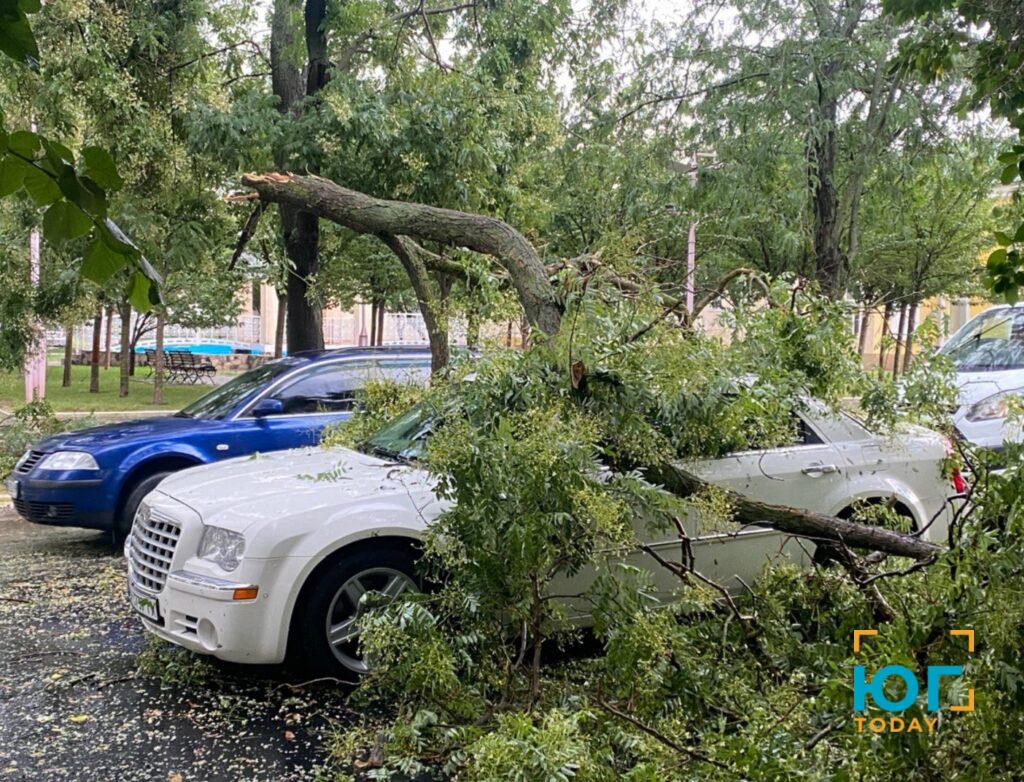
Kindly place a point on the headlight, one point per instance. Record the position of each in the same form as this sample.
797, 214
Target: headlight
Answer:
991, 407
69, 460
222, 547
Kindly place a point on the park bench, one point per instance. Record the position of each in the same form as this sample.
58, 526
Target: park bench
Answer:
181, 366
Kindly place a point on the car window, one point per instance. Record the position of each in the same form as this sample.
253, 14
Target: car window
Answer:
327, 388
223, 399
805, 435
993, 340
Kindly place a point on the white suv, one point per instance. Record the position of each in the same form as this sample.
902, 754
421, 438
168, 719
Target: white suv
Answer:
988, 354
242, 558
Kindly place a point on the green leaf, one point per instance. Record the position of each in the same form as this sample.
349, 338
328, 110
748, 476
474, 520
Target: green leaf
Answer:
58, 153
140, 293
24, 142
3, 141
98, 165
1002, 238
64, 221
41, 187
1019, 236
30, 6
101, 262
84, 193
1009, 174
17, 40
12, 175
996, 258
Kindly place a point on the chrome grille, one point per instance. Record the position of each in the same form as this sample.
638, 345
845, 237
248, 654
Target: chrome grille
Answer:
30, 462
154, 538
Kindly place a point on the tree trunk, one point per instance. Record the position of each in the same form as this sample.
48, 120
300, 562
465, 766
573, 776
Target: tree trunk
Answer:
304, 319
299, 228
472, 328
94, 359
884, 332
125, 309
69, 349
158, 361
373, 322
368, 215
282, 310
908, 351
524, 332
380, 322
899, 341
430, 309
865, 321
110, 322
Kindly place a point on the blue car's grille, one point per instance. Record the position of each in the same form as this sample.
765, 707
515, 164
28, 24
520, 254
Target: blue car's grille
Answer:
45, 512
30, 462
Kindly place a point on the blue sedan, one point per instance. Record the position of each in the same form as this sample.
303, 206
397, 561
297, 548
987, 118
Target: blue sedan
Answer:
96, 477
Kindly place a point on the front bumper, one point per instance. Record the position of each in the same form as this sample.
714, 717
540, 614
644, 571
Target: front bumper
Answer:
47, 497
200, 613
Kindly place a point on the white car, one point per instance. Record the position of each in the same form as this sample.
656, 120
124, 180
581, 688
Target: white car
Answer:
988, 353
246, 558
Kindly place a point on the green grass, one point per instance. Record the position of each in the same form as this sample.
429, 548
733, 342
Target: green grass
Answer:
76, 397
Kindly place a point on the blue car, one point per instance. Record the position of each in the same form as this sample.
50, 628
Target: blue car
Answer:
95, 478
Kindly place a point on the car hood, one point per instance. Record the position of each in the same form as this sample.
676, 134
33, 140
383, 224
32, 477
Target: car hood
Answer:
140, 430
975, 386
237, 493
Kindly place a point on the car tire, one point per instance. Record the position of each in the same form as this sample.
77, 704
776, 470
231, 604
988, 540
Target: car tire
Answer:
123, 522
329, 601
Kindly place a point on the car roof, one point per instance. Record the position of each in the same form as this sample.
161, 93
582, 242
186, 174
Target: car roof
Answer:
385, 351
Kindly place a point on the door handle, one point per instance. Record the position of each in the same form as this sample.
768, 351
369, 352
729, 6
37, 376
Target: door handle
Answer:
820, 469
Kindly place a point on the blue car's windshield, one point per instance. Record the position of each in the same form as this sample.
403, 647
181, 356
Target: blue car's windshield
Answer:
224, 399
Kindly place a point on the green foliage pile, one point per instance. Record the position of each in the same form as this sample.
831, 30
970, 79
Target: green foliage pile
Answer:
380, 401
25, 426
544, 465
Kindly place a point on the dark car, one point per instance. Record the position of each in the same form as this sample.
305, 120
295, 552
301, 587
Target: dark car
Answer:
96, 477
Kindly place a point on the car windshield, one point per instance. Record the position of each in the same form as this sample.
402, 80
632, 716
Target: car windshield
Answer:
992, 341
223, 399
405, 438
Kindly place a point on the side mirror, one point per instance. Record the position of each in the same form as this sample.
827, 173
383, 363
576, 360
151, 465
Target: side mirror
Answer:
267, 406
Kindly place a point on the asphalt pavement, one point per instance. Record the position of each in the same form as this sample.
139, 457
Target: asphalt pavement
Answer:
83, 694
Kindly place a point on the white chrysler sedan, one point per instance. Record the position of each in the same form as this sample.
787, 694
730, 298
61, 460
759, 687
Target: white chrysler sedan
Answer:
249, 558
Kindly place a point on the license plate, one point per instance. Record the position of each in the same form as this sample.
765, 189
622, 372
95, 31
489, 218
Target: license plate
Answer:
13, 488
145, 605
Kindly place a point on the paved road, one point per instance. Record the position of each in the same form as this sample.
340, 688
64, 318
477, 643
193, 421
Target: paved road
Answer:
75, 704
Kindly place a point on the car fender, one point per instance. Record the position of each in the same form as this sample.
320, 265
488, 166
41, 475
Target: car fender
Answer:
887, 488
140, 457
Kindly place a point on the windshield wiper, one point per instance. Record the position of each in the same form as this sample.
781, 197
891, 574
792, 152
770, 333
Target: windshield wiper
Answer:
382, 452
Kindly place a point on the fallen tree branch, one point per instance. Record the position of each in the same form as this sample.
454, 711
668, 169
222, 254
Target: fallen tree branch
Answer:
795, 521
660, 737
368, 215
248, 229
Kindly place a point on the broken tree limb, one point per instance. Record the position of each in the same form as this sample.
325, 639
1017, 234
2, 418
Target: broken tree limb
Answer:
369, 215
794, 521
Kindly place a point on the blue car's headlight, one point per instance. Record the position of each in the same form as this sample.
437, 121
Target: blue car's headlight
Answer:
222, 547
69, 460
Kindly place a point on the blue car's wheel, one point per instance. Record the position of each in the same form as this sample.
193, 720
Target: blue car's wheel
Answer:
123, 522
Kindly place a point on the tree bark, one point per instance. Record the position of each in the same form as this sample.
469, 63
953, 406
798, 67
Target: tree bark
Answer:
908, 351
437, 332
282, 310
158, 361
125, 309
365, 214
94, 360
106, 349
69, 349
